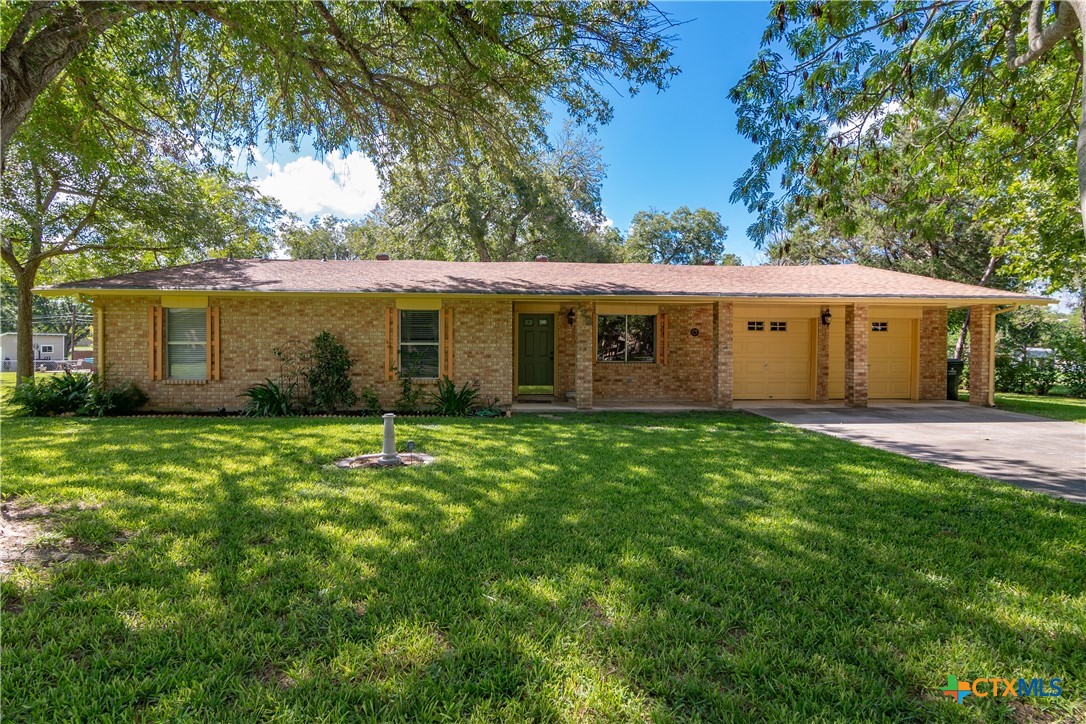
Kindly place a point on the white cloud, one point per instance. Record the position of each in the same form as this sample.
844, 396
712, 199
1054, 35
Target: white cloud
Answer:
861, 124
345, 186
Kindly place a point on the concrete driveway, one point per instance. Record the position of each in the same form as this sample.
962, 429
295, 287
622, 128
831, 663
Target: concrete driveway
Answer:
1036, 453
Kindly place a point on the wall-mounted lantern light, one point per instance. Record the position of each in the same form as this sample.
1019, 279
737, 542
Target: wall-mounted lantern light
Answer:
826, 316
571, 317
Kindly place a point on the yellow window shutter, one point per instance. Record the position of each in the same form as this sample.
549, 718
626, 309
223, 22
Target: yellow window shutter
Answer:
213, 369
447, 342
391, 358
155, 334
662, 342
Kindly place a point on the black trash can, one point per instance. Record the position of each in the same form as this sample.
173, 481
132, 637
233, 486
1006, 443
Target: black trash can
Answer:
954, 369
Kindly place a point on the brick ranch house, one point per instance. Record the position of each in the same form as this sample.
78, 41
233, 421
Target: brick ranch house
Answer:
194, 337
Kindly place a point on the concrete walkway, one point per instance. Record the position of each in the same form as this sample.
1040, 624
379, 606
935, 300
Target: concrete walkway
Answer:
1036, 453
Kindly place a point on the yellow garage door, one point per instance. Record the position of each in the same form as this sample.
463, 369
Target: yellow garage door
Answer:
890, 358
772, 358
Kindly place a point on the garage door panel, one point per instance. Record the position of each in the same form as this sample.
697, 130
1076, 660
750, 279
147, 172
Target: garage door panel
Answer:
771, 364
890, 359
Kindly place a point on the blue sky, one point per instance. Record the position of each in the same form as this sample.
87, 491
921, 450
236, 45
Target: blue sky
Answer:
662, 150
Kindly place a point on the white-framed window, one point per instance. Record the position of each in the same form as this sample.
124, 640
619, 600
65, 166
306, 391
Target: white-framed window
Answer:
420, 331
46, 349
626, 338
880, 326
778, 326
186, 344
755, 326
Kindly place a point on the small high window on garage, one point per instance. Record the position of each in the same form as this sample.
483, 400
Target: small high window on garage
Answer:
755, 326
778, 326
880, 326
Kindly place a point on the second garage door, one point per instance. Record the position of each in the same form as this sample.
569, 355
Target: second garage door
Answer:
890, 359
772, 359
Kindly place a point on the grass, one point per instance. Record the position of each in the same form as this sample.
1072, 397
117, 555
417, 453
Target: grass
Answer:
1058, 408
610, 566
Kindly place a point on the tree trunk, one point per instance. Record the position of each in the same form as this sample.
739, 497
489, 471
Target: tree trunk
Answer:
24, 351
959, 348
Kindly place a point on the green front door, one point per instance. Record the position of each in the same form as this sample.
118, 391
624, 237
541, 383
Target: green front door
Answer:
536, 363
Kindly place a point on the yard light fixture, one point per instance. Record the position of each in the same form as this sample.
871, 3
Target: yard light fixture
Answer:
826, 316
571, 317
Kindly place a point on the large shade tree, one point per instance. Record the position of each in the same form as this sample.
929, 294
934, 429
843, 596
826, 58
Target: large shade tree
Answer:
187, 81
683, 236
914, 100
385, 76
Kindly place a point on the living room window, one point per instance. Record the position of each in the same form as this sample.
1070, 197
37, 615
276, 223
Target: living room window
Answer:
626, 338
186, 344
419, 337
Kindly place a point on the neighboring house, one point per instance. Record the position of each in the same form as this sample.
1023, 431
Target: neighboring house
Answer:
194, 337
1037, 353
47, 346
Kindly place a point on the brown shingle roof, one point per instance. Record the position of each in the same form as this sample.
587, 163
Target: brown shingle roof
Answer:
538, 278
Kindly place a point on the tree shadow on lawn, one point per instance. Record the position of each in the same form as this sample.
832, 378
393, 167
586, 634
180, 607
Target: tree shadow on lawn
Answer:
613, 566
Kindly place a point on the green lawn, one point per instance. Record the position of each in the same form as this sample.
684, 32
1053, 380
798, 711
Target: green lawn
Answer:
1059, 408
619, 566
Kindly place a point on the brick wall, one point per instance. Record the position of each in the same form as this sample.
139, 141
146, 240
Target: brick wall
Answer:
251, 329
687, 375
723, 369
856, 332
980, 364
933, 354
822, 360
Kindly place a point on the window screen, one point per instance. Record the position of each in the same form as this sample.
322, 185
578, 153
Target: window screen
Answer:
186, 344
46, 349
626, 338
419, 352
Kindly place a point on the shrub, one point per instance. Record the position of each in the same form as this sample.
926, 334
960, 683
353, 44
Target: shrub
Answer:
39, 397
1072, 366
370, 401
329, 385
80, 394
410, 391
104, 398
1009, 375
269, 399
448, 400
1039, 376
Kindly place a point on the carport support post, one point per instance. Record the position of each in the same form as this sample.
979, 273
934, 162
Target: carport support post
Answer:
584, 341
856, 329
981, 355
722, 355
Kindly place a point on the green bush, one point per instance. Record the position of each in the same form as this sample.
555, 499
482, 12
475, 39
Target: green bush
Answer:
329, 385
370, 401
79, 394
104, 399
269, 399
410, 399
1072, 366
448, 400
1010, 375
1039, 376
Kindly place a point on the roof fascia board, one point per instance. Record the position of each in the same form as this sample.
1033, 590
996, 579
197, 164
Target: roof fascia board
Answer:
669, 298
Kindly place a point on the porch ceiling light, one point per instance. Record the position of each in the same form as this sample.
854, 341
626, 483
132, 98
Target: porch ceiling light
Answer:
826, 316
